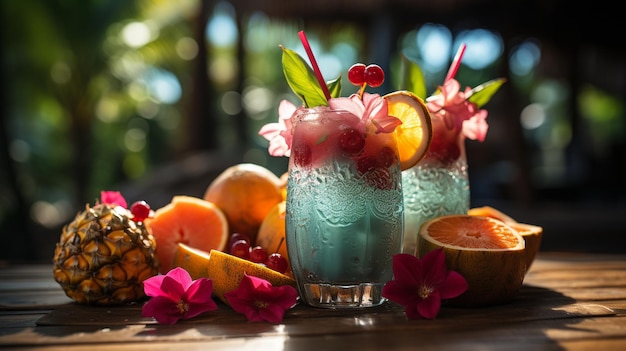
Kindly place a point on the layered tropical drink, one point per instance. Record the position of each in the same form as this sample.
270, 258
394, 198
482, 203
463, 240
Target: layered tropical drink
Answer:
344, 209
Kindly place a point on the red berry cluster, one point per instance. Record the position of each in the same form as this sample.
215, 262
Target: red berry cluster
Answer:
361, 75
240, 245
140, 210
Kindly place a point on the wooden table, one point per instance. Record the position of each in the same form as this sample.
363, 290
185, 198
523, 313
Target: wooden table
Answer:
570, 301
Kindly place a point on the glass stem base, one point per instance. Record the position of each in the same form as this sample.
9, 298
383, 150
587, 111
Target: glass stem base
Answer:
343, 296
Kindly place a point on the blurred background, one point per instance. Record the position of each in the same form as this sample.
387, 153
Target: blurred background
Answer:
155, 98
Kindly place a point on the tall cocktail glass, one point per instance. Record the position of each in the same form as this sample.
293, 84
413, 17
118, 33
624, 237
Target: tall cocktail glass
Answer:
344, 209
438, 185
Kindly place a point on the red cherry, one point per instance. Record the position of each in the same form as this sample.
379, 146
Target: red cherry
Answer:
356, 74
241, 249
351, 141
140, 210
258, 254
238, 236
374, 75
374, 171
386, 157
276, 262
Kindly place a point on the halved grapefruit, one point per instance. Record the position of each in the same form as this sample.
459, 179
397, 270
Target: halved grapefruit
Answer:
488, 253
532, 234
189, 220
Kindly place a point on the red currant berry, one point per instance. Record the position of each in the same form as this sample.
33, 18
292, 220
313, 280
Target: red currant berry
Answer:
374, 76
140, 210
356, 74
238, 236
351, 141
241, 249
276, 262
258, 254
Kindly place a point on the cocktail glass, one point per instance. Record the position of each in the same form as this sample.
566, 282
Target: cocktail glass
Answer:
344, 209
438, 185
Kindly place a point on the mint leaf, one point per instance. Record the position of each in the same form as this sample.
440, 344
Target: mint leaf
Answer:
413, 78
301, 79
334, 87
482, 93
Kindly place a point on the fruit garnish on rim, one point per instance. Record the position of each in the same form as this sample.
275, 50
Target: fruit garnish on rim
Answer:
401, 113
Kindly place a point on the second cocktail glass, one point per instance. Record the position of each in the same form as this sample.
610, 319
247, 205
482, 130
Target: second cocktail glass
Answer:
344, 209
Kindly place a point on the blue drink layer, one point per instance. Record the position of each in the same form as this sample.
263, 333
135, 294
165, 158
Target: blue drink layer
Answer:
343, 226
432, 189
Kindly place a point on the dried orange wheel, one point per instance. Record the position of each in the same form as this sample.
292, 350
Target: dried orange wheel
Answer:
414, 135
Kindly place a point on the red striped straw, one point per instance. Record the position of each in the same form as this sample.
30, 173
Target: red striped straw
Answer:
316, 68
456, 62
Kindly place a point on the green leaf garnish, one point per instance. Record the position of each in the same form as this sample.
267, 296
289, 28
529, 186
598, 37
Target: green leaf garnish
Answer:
481, 94
413, 78
302, 79
334, 87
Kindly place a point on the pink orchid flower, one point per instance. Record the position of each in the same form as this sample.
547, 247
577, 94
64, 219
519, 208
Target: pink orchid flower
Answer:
371, 107
259, 301
176, 296
420, 284
279, 134
113, 197
451, 105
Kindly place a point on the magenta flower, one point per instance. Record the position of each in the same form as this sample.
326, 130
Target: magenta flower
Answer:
420, 285
176, 296
452, 106
279, 134
113, 197
370, 108
259, 301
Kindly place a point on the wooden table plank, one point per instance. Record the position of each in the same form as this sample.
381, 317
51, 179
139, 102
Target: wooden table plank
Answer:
568, 301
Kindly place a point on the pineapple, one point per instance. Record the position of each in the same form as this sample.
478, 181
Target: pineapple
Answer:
104, 255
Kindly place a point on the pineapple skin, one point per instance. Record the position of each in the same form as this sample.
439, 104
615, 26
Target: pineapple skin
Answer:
103, 257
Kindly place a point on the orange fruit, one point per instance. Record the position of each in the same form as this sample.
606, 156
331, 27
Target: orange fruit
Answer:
488, 211
283, 184
246, 193
193, 260
272, 232
414, 135
225, 270
188, 220
532, 234
488, 253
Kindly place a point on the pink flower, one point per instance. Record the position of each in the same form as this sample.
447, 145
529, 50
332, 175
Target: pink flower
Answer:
452, 106
259, 301
279, 134
113, 197
176, 296
370, 108
420, 285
